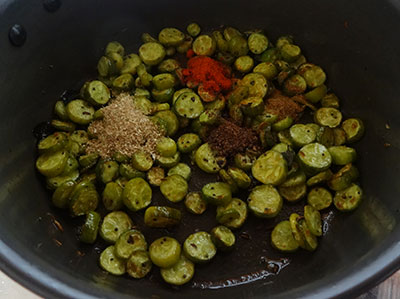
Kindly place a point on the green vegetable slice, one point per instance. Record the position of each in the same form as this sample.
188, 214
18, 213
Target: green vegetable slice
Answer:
230, 32
237, 205
226, 178
166, 147
142, 161
168, 66
138, 264
128, 172
315, 95
330, 100
297, 178
84, 200
137, 194
238, 46
310, 240
244, 64
206, 159
52, 164
342, 155
195, 203
130, 241
265, 201
297, 233
107, 171
189, 105
89, 160
282, 237
217, 193
252, 106
244, 161
302, 134
162, 217
164, 81
241, 179
112, 196
174, 188
106, 67
227, 215
114, 47
354, 129
294, 84
256, 83
188, 142
65, 176
283, 124
193, 29
314, 75
328, 117
172, 122
223, 238
199, 248
319, 178
348, 199
63, 125
204, 45
165, 252
290, 52
293, 193
80, 112
97, 93
181, 169
61, 195
155, 176
319, 198
340, 136
270, 168
53, 143
169, 162
111, 263
326, 136
314, 158
151, 53
114, 225
125, 82
343, 178
171, 37
267, 69
180, 273
90, 228
258, 43
313, 220
131, 62
60, 110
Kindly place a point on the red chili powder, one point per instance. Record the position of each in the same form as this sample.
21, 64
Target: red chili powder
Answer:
212, 74
190, 53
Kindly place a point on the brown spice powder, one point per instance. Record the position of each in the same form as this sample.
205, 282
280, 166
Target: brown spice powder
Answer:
229, 139
123, 129
283, 106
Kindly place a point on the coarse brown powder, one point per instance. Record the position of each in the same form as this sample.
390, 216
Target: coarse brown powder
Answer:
123, 129
283, 106
229, 139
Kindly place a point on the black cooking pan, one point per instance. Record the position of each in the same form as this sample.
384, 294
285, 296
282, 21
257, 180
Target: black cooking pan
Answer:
356, 42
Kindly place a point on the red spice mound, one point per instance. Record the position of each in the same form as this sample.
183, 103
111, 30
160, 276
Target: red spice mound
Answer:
212, 74
229, 139
283, 106
190, 53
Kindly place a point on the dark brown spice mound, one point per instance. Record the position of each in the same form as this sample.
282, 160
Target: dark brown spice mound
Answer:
284, 106
229, 139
